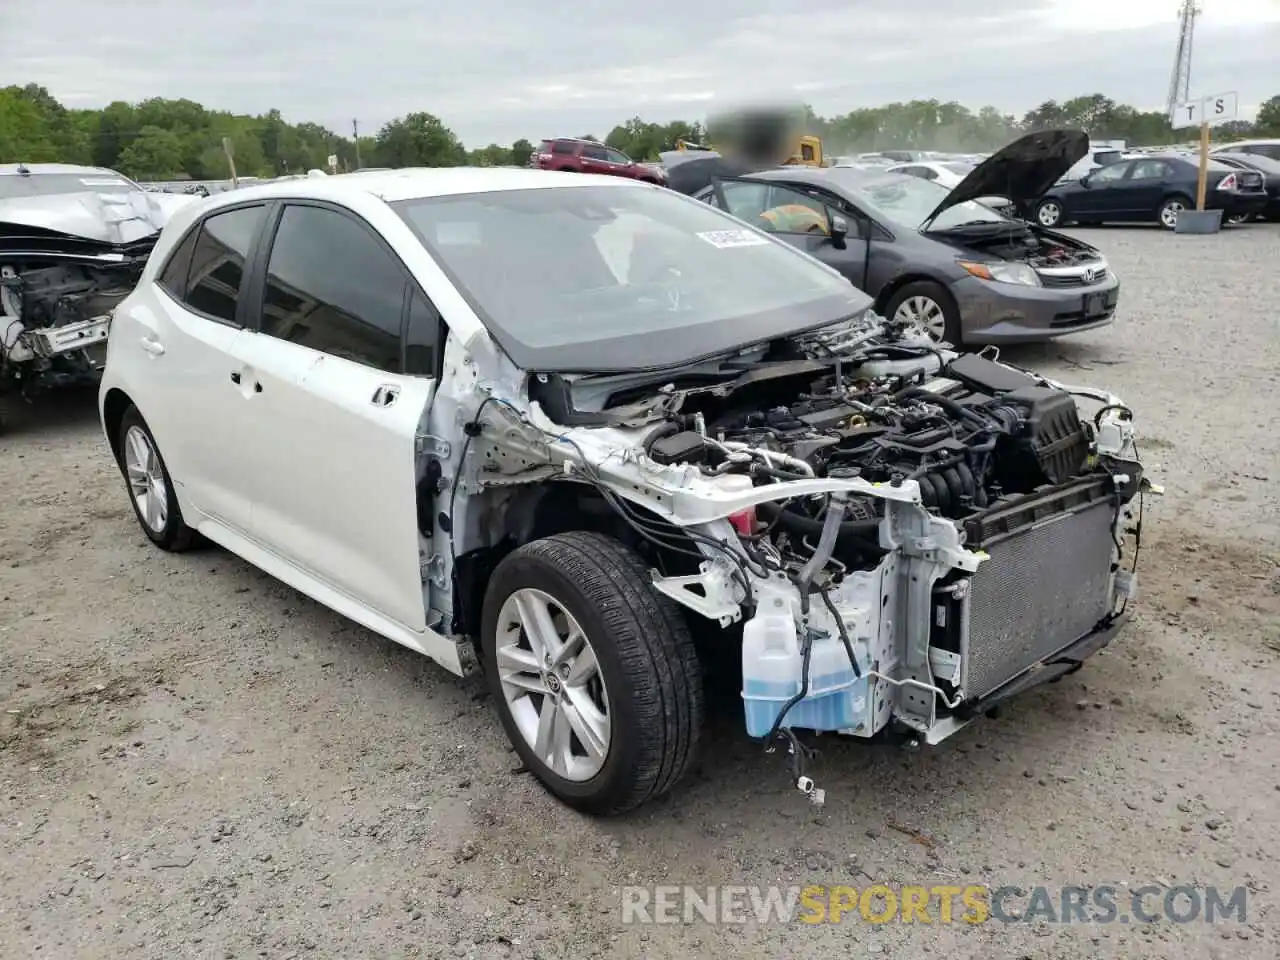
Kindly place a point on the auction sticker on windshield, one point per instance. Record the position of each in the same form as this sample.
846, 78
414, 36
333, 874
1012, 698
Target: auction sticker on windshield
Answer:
733, 238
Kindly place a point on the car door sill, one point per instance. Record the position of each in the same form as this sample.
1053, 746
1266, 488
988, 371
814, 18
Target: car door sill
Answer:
429, 643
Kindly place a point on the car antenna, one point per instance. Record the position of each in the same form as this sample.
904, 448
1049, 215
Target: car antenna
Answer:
22, 170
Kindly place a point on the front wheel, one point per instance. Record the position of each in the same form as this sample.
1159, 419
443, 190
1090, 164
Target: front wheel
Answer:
927, 305
1049, 213
1170, 209
594, 673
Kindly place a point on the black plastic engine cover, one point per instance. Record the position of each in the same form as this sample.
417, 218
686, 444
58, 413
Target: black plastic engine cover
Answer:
683, 447
1053, 445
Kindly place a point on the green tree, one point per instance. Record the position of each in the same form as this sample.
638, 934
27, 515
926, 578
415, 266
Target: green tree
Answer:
494, 155
155, 154
521, 151
418, 140
1268, 122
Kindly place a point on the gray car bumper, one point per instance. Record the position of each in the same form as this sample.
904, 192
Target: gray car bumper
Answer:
992, 312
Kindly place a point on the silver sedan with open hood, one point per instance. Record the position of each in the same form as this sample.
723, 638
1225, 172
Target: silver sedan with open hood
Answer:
941, 258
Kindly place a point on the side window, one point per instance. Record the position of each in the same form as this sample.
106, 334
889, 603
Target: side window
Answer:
218, 257
593, 152
174, 275
422, 337
615, 156
790, 211
561, 146
1149, 170
1111, 173
744, 199
1271, 150
332, 287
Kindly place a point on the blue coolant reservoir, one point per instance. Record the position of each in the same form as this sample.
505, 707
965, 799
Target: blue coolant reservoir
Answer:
772, 672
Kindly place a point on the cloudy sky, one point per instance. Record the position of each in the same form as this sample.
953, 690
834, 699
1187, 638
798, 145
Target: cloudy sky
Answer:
496, 70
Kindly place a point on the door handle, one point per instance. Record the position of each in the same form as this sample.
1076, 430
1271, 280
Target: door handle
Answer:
235, 376
152, 346
385, 395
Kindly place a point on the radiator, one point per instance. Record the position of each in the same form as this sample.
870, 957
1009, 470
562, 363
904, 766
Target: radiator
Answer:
1043, 587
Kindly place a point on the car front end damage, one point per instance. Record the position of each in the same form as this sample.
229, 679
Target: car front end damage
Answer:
892, 538
66, 260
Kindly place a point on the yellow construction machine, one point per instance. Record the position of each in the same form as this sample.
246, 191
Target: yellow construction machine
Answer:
766, 135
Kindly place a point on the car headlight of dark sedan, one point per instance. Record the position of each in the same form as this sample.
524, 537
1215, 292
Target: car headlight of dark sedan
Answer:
1002, 272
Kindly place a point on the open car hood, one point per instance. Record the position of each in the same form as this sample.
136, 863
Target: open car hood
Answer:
1021, 171
116, 218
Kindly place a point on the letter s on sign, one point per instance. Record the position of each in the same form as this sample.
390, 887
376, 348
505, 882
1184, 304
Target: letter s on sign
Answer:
1219, 106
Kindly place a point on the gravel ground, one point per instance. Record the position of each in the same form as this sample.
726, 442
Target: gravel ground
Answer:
196, 761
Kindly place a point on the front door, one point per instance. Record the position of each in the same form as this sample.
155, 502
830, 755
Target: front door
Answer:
798, 215
1144, 191
341, 386
1104, 197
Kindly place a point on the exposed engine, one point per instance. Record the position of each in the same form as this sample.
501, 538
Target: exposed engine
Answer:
53, 296
975, 435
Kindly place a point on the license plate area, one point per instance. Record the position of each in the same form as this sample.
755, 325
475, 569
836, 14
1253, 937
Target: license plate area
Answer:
1101, 303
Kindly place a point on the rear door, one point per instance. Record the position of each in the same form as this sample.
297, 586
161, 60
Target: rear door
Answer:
1145, 189
799, 215
189, 335
341, 373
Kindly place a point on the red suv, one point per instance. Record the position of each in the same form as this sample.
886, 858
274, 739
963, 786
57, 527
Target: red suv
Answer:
588, 156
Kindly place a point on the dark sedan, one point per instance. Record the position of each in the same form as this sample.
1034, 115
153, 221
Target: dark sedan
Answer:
1152, 189
938, 258
1266, 166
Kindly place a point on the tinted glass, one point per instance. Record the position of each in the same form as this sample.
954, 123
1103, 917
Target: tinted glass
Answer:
616, 157
333, 287
561, 146
422, 338
1149, 170
582, 277
785, 211
174, 275
218, 261
595, 153
1110, 174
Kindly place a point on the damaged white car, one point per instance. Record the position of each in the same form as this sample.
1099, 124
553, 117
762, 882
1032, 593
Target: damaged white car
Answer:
594, 437
73, 241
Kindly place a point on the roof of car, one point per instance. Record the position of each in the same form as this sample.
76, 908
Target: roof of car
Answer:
35, 169
415, 183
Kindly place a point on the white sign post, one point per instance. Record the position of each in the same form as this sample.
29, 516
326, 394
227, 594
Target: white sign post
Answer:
1205, 113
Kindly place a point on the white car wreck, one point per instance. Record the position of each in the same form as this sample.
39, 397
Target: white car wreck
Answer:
590, 436
73, 241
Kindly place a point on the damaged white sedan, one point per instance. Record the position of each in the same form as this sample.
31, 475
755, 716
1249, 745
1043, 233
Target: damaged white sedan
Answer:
594, 437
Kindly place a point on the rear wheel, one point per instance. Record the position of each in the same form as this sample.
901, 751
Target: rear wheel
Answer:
929, 306
1170, 209
150, 487
594, 673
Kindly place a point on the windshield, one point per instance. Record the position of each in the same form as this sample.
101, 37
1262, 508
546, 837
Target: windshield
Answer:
13, 186
910, 200
621, 277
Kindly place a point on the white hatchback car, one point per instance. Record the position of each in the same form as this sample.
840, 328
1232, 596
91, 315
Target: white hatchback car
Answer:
588, 433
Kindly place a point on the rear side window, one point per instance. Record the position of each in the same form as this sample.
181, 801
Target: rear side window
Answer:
422, 337
333, 287
217, 271
562, 146
174, 275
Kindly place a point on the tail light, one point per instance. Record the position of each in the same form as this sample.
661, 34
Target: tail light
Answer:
1228, 182
744, 521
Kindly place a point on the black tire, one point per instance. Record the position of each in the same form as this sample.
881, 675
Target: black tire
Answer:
1045, 209
938, 294
646, 659
1177, 199
174, 535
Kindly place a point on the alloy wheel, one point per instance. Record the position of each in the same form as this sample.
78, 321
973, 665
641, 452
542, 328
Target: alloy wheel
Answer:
1049, 214
146, 479
926, 313
1169, 213
552, 684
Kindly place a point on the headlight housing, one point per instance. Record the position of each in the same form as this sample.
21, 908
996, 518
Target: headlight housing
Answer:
1002, 272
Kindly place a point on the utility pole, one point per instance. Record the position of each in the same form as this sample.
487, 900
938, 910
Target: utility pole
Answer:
1180, 79
355, 135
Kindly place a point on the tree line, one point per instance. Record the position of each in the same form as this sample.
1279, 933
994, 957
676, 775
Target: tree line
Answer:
160, 139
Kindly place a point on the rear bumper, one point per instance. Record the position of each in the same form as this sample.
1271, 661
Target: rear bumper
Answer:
999, 313
1247, 203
